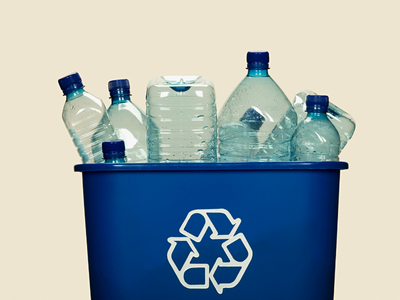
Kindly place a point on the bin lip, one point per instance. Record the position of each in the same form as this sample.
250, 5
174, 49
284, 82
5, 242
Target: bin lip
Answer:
235, 166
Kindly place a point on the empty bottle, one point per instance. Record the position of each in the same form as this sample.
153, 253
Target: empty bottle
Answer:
128, 120
182, 119
315, 138
238, 141
86, 119
344, 123
114, 152
260, 92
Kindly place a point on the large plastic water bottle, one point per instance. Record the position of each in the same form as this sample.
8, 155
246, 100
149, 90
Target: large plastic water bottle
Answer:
128, 120
182, 119
114, 152
258, 91
86, 119
315, 138
238, 140
344, 123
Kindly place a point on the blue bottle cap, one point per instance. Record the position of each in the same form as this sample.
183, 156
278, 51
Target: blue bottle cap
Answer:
119, 87
113, 149
257, 60
253, 118
317, 103
70, 83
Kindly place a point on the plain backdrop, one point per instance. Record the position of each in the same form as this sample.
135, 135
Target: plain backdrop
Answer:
348, 50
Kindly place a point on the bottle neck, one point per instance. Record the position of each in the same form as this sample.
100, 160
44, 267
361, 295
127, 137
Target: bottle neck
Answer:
257, 73
120, 99
317, 115
75, 94
115, 160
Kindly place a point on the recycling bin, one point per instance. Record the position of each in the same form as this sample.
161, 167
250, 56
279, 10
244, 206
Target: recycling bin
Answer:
211, 230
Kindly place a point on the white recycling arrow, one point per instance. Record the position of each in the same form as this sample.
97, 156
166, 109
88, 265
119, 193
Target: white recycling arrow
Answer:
219, 263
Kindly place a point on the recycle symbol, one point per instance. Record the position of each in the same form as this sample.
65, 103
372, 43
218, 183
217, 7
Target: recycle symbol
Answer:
230, 239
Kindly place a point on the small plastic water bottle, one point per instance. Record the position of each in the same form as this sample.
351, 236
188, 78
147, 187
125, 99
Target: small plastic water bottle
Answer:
344, 123
128, 120
114, 152
260, 92
238, 141
315, 138
86, 119
182, 119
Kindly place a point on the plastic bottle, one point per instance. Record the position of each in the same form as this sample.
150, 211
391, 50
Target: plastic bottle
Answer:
344, 123
315, 138
182, 119
128, 120
238, 140
260, 92
86, 119
114, 152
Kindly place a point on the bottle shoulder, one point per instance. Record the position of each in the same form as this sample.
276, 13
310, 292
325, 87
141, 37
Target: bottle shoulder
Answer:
195, 95
127, 106
261, 93
319, 128
84, 100
84, 106
126, 113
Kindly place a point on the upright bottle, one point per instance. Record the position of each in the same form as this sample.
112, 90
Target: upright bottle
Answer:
315, 138
114, 152
128, 120
344, 123
86, 119
182, 119
258, 91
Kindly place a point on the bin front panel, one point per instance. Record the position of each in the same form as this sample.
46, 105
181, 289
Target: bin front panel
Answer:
229, 234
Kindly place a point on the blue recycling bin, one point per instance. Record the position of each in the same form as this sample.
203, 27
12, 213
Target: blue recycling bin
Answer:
212, 230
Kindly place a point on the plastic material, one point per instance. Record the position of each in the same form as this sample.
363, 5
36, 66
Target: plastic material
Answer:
259, 92
182, 119
167, 239
129, 121
238, 140
119, 87
86, 119
70, 83
257, 60
114, 151
344, 123
317, 103
315, 138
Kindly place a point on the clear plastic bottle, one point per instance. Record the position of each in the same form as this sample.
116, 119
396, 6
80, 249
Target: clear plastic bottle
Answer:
128, 120
114, 152
344, 123
238, 140
315, 138
86, 119
182, 119
260, 92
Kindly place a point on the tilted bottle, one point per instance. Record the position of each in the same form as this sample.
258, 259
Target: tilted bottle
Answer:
344, 123
315, 138
128, 120
114, 152
182, 119
86, 119
260, 92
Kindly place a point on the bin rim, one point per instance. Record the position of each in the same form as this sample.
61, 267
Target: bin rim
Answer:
212, 166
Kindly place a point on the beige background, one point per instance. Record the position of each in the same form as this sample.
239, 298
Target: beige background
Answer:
348, 50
